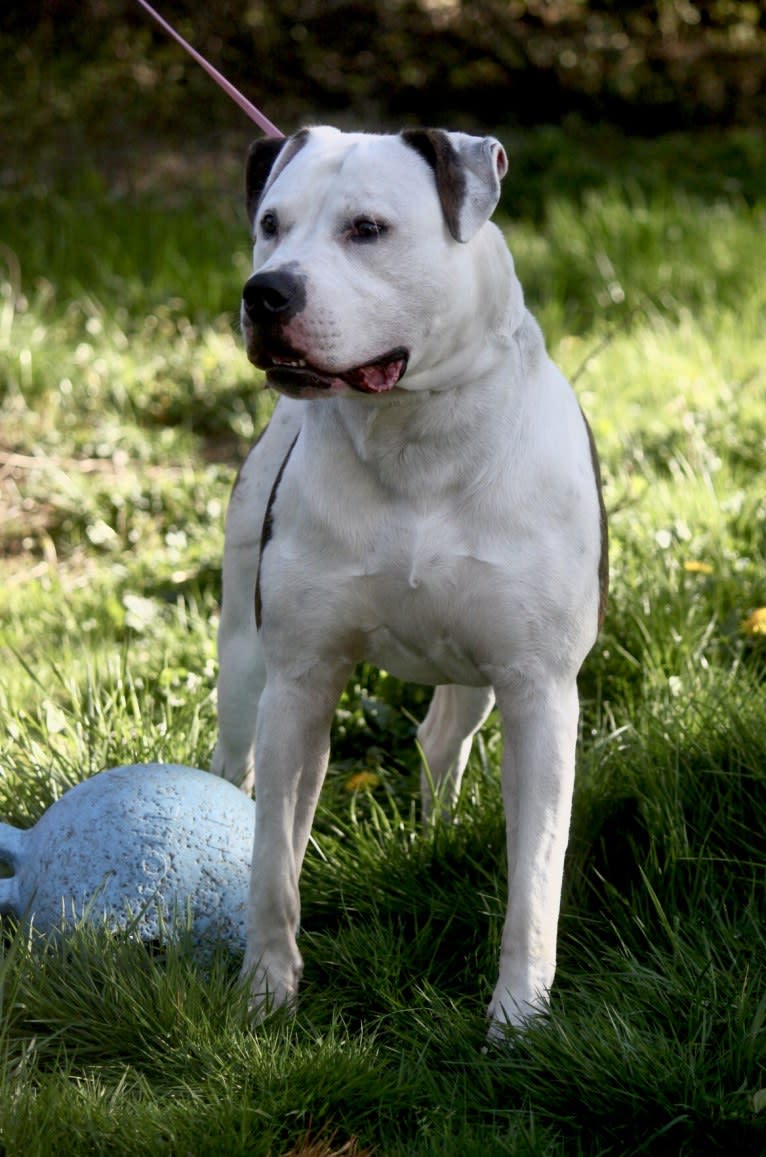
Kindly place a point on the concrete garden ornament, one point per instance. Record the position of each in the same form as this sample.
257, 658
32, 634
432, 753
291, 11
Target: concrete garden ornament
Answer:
140, 847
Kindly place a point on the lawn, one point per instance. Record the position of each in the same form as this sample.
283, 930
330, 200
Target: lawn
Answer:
126, 404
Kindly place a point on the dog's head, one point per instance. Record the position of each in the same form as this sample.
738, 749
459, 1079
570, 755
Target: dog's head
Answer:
368, 259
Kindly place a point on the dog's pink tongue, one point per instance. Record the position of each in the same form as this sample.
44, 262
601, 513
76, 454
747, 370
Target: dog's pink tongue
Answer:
380, 376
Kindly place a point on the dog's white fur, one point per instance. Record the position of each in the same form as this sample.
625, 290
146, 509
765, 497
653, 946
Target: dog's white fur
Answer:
448, 529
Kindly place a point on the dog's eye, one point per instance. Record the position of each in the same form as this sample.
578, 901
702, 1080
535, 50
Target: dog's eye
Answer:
269, 225
367, 229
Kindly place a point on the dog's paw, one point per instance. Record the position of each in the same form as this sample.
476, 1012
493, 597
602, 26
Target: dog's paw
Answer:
510, 1014
272, 984
241, 777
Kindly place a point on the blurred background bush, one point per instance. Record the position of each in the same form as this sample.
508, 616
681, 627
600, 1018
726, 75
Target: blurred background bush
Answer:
649, 66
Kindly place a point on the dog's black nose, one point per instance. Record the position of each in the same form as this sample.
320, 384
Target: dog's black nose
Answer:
273, 296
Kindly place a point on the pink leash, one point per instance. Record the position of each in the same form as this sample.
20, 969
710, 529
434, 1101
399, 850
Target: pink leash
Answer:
255, 114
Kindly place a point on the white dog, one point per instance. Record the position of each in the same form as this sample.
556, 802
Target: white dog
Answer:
426, 497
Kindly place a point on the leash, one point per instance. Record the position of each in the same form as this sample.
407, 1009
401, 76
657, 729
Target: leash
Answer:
264, 124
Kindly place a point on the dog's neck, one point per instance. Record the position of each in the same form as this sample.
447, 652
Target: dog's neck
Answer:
422, 442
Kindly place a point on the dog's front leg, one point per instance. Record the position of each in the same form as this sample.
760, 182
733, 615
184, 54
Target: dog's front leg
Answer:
292, 745
540, 725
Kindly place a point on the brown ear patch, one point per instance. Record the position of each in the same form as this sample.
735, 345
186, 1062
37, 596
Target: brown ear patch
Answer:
438, 151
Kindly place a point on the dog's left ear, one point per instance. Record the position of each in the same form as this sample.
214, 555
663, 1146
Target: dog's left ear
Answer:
468, 173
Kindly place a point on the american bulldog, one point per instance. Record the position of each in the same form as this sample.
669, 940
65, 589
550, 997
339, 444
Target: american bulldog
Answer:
425, 497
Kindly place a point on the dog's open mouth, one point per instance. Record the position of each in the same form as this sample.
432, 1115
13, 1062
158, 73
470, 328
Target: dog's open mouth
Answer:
294, 375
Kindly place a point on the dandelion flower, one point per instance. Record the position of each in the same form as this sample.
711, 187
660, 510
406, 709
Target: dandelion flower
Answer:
755, 624
693, 566
362, 779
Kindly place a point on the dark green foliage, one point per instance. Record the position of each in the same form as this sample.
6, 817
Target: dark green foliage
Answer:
649, 66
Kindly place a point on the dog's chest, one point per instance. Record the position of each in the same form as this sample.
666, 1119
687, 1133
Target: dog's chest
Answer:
414, 601
416, 553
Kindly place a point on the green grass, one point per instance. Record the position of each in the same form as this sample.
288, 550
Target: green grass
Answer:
125, 406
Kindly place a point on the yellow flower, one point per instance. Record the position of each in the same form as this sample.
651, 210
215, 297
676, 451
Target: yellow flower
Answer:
692, 566
361, 779
755, 624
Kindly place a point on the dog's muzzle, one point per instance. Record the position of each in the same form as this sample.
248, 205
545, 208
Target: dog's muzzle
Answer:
269, 302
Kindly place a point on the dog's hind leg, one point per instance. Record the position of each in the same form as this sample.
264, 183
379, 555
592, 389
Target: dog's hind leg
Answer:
456, 713
242, 672
241, 678
240, 684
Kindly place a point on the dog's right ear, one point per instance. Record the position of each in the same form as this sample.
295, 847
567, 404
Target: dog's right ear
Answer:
266, 159
260, 161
